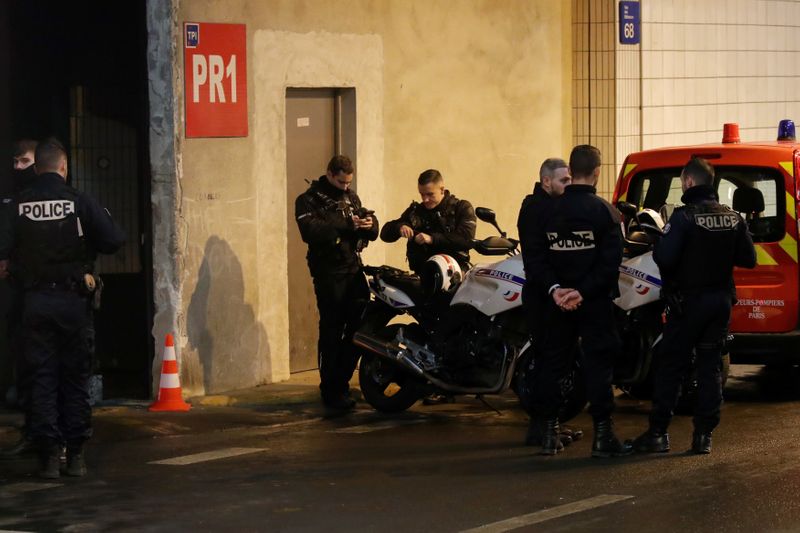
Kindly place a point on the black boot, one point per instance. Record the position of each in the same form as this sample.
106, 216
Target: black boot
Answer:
339, 402
551, 440
701, 443
567, 434
652, 441
605, 443
49, 462
76, 465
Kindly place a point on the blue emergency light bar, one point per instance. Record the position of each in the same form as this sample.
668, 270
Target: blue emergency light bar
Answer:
786, 130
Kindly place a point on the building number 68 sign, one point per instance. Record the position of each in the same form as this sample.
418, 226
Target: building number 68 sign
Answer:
215, 90
629, 22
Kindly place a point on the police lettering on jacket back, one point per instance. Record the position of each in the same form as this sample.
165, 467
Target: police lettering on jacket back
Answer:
51, 245
582, 244
716, 221
705, 257
47, 210
565, 241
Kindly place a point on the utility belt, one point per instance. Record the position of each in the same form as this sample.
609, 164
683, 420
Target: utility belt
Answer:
675, 299
68, 286
90, 286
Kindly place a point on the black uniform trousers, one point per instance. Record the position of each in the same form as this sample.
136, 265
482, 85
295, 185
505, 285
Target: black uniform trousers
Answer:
341, 299
534, 305
16, 345
593, 323
702, 327
58, 335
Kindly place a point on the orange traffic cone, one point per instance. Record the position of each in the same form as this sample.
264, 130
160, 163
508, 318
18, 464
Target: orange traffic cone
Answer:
169, 392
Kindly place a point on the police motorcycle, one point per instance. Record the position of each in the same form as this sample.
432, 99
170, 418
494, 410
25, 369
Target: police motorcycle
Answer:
457, 332
641, 307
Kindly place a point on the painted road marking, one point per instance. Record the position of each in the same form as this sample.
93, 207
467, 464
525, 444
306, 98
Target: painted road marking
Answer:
207, 456
549, 514
18, 488
367, 428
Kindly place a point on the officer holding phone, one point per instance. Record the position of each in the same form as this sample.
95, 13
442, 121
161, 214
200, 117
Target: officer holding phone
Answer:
336, 227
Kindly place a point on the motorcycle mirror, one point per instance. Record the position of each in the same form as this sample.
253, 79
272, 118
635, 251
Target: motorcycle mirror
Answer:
627, 209
666, 211
485, 214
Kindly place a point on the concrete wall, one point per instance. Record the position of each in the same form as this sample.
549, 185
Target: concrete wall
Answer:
479, 89
699, 65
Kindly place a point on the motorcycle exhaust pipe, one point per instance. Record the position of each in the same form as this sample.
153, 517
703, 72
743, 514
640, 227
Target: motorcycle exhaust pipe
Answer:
389, 350
399, 354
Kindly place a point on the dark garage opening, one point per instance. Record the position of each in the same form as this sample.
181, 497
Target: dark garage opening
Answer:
78, 70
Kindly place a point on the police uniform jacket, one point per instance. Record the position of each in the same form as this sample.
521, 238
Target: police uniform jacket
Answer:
580, 246
530, 222
451, 226
56, 233
17, 181
323, 215
702, 242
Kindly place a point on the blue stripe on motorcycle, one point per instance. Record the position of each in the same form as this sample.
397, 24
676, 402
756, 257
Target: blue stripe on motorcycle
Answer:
497, 274
638, 274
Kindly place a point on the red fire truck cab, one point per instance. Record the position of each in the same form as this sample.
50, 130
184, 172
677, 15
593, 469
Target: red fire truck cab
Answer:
761, 181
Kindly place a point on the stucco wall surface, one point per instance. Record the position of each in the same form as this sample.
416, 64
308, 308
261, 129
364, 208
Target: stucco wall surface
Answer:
477, 89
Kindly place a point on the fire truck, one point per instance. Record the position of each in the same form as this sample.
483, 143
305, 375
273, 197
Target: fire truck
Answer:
761, 181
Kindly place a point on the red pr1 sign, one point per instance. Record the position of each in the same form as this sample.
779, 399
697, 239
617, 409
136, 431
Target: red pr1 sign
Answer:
215, 70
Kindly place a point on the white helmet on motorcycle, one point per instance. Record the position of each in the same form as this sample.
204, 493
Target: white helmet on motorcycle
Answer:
440, 273
651, 219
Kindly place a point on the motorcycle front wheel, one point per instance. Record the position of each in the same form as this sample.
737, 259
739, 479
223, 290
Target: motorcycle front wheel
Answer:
387, 386
573, 388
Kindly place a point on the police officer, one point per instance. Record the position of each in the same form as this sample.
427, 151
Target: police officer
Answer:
23, 157
52, 244
23, 161
702, 242
553, 178
336, 227
575, 261
441, 224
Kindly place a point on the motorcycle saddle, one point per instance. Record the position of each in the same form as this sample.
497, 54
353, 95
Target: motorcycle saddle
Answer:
405, 281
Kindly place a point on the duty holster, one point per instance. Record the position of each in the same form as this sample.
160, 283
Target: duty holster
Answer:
92, 286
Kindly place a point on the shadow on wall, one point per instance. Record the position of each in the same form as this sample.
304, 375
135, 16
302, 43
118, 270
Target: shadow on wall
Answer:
232, 347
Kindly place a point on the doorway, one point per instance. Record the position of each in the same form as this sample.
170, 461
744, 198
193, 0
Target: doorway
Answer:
320, 123
78, 70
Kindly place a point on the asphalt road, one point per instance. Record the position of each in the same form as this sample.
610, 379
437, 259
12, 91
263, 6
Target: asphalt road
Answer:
447, 468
